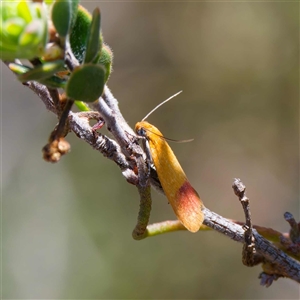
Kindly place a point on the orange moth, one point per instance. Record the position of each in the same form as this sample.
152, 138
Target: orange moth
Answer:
183, 198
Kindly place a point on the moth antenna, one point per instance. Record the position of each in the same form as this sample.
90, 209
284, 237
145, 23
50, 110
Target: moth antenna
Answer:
156, 107
178, 141
168, 139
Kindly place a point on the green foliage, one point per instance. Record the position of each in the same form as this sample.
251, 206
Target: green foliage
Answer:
53, 81
74, 10
87, 45
25, 35
86, 83
82, 106
94, 43
48, 2
64, 15
79, 33
23, 32
18, 69
105, 59
43, 71
61, 16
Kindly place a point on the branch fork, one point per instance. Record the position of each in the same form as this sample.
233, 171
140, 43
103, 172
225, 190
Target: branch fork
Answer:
279, 258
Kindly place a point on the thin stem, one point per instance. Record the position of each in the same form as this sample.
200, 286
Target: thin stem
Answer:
59, 132
139, 231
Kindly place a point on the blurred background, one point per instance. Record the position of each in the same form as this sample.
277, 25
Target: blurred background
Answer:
67, 226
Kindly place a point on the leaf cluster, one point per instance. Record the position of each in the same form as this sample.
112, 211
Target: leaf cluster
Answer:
67, 53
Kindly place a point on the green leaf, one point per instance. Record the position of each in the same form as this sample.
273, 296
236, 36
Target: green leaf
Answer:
31, 34
74, 7
61, 16
23, 30
43, 71
86, 83
82, 106
24, 11
79, 33
54, 82
48, 2
105, 59
93, 44
13, 28
18, 69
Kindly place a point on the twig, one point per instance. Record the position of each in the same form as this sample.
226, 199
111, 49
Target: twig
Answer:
116, 124
287, 265
70, 59
140, 230
79, 124
125, 152
249, 255
43, 93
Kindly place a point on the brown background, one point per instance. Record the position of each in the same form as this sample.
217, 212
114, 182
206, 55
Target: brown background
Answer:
67, 227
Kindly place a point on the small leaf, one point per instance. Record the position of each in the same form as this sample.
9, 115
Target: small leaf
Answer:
106, 59
93, 41
82, 106
18, 69
54, 82
86, 83
23, 29
43, 71
13, 28
79, 33
74, 8
31, 34
61, 16
48, 2
24, 11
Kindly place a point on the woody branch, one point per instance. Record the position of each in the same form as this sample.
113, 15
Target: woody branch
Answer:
129, 156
